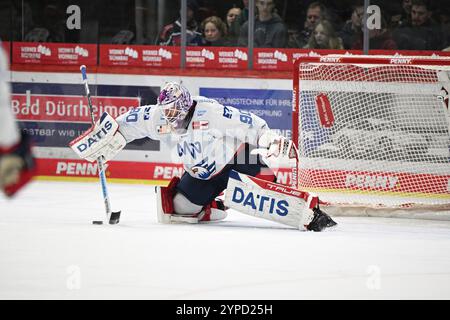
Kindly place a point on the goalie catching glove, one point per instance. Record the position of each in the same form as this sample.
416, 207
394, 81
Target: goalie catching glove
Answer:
276, 150
102, 140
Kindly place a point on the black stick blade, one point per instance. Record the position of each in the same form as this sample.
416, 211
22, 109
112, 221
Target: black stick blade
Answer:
115, 217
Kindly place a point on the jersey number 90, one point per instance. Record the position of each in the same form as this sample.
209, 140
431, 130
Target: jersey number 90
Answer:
244, 116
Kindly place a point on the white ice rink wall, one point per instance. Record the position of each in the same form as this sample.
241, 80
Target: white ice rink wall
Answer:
52, 109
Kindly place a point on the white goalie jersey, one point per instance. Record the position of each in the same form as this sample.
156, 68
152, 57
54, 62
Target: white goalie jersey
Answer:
213, 137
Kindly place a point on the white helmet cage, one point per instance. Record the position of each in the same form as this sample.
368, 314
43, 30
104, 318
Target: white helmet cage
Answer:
175, 102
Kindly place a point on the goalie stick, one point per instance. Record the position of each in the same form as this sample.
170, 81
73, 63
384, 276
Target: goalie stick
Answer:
111, 217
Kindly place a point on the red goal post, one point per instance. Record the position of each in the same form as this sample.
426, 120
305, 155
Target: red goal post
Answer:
373, 131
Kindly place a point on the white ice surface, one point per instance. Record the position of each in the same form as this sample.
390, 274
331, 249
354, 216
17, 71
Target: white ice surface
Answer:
50, 250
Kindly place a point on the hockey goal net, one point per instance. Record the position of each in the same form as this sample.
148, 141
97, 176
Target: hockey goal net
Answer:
373, 131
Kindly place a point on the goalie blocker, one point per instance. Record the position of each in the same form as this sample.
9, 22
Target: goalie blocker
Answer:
102, 140
276, 202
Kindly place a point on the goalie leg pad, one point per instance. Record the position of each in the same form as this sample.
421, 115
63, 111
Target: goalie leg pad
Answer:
272, 201
164, 200
175, 207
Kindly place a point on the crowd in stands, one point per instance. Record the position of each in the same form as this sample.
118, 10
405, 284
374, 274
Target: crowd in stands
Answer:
315, 24
404, 25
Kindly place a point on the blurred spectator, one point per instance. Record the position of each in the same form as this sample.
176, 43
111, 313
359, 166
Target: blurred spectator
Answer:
171, 34
403, 18
125, 23
38, 35
316, 12
444, 21
244, 12
51, 26
133, 22
214, 32
422, 33
324, 37
16, 20
270, 31
337, 11
232, 15
123, 37
352, 29
206, 8
378, 39
233, 26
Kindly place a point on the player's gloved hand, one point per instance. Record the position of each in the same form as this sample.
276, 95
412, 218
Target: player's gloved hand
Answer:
276, 150
17, 166
102, 140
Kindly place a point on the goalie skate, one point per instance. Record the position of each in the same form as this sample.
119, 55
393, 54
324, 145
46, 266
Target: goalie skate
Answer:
320, 221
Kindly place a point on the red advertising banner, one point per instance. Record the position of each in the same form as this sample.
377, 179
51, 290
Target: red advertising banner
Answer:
115, 170
37, 107
54, 53
272, 59
282, 59
400, 53
217, 57
122, 170
395, 182
298, 53
139, 56
234, 58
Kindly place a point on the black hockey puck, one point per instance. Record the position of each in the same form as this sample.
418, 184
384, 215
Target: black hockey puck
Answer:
97, 222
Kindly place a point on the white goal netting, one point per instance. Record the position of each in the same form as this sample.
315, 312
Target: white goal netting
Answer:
373, 131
